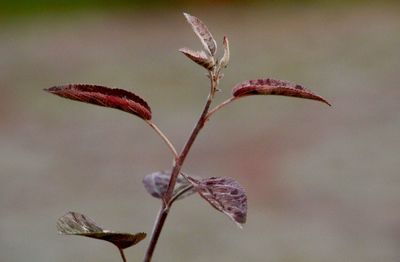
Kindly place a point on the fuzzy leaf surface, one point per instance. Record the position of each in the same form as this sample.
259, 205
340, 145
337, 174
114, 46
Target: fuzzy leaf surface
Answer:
270, 86
156, 184
104, 96
73, 223
203, 33
199, 57
224, 194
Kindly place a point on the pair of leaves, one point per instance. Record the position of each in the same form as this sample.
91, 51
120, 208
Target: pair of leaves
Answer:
131, 103
222, 193
205, 58
73, 223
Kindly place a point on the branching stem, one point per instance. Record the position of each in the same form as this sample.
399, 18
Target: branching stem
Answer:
166, 202
180, 193
215, 109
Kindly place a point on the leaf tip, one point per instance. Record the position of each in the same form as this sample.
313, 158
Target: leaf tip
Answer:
326, 102
50, 89
187, 16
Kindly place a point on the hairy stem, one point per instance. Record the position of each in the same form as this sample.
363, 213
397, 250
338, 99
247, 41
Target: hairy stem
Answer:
163, 137
166, 203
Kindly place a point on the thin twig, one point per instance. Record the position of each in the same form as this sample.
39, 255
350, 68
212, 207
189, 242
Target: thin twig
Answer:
121, 251
218, 107
163, 137
180, 193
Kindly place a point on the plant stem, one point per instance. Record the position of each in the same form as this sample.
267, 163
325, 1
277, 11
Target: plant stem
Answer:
158, 225
200, 123
122, 254
180, 193
163, 137
215, 109
166, 203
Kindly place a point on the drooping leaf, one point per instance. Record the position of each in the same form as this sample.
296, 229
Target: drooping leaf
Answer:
104, 96
225, 58
156, 185
224, 194
73, 223
203, 33
199, 57
270, 86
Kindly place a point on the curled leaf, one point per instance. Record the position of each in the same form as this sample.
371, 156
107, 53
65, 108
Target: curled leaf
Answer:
274, 87
73, 223
104, 96
199, 57
156, 184
225, 58
224, 194
203, 33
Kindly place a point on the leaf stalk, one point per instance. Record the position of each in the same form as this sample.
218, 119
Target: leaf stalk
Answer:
163, 137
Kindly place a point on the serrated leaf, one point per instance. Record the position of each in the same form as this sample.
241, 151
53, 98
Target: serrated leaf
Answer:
156, 185
73, 223
104, 96
224, 194
199, 57
225, 58
270, 86
203, 33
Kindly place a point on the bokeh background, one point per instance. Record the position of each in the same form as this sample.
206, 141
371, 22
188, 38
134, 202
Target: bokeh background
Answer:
323, 183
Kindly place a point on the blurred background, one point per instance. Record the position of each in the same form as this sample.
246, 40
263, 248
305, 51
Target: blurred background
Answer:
323, 183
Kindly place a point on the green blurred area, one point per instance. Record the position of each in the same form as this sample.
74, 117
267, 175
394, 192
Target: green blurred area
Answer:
10, 8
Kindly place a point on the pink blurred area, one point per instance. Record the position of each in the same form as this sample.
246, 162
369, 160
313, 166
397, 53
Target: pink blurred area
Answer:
323, 183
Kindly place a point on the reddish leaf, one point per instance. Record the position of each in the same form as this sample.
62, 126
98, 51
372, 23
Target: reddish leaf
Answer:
73, 223
104, 96
274, 87
199, 57
225, 195
203, 33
